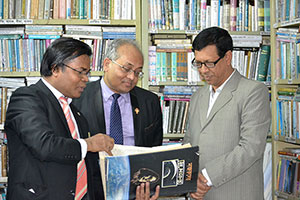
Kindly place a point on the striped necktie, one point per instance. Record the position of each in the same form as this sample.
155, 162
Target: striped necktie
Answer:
81, 185
116, 130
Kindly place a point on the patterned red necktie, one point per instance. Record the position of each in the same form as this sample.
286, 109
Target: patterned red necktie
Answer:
81, 185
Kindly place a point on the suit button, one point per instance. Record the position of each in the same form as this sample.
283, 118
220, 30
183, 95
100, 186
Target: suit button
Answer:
72, 192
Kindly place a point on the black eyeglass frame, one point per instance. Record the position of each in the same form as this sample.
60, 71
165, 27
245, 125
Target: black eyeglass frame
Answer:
139, 74
81, 73
207, 64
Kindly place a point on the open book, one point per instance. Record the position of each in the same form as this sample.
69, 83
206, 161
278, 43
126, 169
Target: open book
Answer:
173, 167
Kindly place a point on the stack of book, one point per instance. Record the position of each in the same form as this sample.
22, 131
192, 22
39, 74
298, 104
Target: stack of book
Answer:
288, 172
11, 32
111, 33
287, 53
43, 31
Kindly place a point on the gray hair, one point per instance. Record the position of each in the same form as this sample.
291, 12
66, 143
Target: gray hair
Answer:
112, 50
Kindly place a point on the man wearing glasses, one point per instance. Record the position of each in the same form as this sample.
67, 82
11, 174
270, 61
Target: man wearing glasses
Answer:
229, 119
139, 119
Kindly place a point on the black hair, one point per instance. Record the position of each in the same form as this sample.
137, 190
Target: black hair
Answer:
60, 52
214, 36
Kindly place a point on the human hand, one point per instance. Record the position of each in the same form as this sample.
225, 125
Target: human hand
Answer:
202, 188
100, 142
143, 192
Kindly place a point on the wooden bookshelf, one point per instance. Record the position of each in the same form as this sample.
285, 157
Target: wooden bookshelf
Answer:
173, 136
279, 142
3, 179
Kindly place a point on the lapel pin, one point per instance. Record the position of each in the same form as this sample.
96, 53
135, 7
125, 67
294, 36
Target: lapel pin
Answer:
78, 113
136, 111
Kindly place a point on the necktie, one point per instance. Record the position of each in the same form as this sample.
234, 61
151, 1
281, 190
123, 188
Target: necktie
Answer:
81, 185
116, 130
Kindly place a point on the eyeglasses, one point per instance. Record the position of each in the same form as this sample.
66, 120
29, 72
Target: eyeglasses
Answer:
197, 64
137, 73
81, 73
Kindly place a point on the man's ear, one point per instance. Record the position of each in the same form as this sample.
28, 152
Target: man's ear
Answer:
228, 57
106, 63
55, 70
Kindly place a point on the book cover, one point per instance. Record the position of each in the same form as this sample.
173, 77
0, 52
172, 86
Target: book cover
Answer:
173, 167
263, 63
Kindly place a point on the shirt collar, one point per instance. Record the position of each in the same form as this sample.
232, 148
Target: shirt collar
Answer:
107, 92
56, 93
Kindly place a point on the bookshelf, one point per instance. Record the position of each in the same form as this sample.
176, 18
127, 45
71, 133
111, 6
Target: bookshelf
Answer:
98, 21
285, 76
150, 33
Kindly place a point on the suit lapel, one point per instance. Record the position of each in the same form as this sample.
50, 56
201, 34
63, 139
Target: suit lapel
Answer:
77, 116
204, 101
224, 97
135, 111
99, 109
55, 104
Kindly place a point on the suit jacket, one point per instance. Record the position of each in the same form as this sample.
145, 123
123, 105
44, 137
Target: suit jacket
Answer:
147, 122
232, 139
43, 156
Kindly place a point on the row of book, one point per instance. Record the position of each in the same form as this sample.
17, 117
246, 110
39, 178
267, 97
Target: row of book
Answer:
25, 55
174, 102
287, 53
287, 10
253, 63
233, 15
288, 172
68, 9
56, 31
288, 112
175, 115
171, 65
175, 64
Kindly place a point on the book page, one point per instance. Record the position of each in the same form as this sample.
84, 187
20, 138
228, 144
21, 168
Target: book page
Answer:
123, 150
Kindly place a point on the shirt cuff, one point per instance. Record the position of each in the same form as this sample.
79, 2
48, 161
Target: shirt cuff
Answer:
204, 172
83, 145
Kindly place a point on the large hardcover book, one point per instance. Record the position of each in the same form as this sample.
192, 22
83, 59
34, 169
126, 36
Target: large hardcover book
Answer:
263, 62
173, 167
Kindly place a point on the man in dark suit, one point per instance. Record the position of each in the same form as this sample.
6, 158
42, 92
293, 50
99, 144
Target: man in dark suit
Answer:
140, 109
43, 155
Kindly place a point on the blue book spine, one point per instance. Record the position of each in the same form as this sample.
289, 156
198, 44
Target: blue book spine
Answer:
25, 55
17, 53
89, 13
192, 15
176, 14
278, 129
41, 36
163, 14
119, 36
237, 19
31, 55
282, 62
287, 10
1, 9
294, 119
81, 9
10, 54
219, 17
246, 15
158, 67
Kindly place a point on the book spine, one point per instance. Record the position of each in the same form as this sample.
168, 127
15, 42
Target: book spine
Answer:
174, 66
